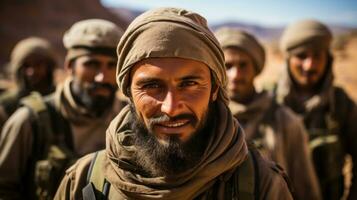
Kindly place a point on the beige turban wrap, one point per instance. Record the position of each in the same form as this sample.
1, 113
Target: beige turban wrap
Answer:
31, 46
170, 32
305, 34
231, 37
91, 36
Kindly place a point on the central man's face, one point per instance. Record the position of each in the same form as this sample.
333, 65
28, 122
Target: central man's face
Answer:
171, 96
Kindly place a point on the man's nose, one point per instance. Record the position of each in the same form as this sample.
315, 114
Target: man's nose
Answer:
99, 77
171, 104
30, 71
308, 64
233, 73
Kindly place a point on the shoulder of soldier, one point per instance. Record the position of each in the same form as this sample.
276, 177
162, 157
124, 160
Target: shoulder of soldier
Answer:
75, 179
8, 95
282, 113
20, 116
79, 170
287, 114
273, 181
341, 96
9, 101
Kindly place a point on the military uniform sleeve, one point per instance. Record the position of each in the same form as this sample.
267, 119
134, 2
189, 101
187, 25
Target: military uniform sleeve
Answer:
351, 145
15, 151
299, 167
74, 180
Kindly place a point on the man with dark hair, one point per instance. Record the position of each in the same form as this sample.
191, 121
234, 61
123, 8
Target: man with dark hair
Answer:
32, 64
328, 112
41, 138
177, 139
276, 131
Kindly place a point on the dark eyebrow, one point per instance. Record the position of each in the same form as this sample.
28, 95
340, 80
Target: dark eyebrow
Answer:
146, 80
191, 77
91, 61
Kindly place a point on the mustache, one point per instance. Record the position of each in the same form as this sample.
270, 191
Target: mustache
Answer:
95, 86
309, 72
238, 81
165, 118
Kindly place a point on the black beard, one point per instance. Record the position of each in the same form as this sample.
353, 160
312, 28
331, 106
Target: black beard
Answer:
175, 157
97, 105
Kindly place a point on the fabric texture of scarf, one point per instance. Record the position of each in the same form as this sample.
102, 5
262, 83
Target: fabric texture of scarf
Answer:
225, 151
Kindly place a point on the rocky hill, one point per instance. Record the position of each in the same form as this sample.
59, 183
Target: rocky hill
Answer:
264, 33
45, 18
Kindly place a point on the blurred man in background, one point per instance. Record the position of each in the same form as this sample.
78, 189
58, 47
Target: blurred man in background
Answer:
274, 129
32, 65
329, 114
40, 139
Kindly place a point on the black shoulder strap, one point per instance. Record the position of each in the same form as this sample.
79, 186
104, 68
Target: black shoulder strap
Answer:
97, 187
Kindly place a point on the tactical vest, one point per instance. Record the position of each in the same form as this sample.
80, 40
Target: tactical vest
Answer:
327, 148
243, 184
53, 150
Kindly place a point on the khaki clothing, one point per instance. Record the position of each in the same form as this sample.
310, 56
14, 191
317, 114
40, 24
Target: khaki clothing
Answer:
332, 113
18, 137
280, 136
225, 152
9, 102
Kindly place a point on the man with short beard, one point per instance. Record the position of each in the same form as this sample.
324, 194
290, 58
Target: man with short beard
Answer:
32, 65
329, 114
276, 131
177, 138
78, 113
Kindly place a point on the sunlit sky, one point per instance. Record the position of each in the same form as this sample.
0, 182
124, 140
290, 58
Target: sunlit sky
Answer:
262, 12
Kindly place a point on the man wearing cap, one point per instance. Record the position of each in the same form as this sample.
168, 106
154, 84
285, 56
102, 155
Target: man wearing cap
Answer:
329, 114
274, 129
177, 138
32, 65
78, 114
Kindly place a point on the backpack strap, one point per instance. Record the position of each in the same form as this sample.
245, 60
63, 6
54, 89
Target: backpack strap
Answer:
42, 123
248, 179
97, 187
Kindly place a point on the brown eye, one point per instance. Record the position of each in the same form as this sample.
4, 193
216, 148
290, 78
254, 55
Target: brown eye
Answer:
188, 83
228, 65
112, 65
301, 56
150, 86
243, 64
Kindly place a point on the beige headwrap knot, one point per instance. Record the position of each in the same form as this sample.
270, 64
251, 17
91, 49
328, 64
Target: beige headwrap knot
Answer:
170, 32
31, 46
231, 37
305, 34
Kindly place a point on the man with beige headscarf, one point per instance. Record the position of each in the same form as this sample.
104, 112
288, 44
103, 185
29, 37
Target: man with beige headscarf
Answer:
177, 138
42, 138
329, 114
274, 129
32, 64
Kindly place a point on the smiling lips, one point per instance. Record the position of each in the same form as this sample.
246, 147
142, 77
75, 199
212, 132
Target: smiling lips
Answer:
174, 124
